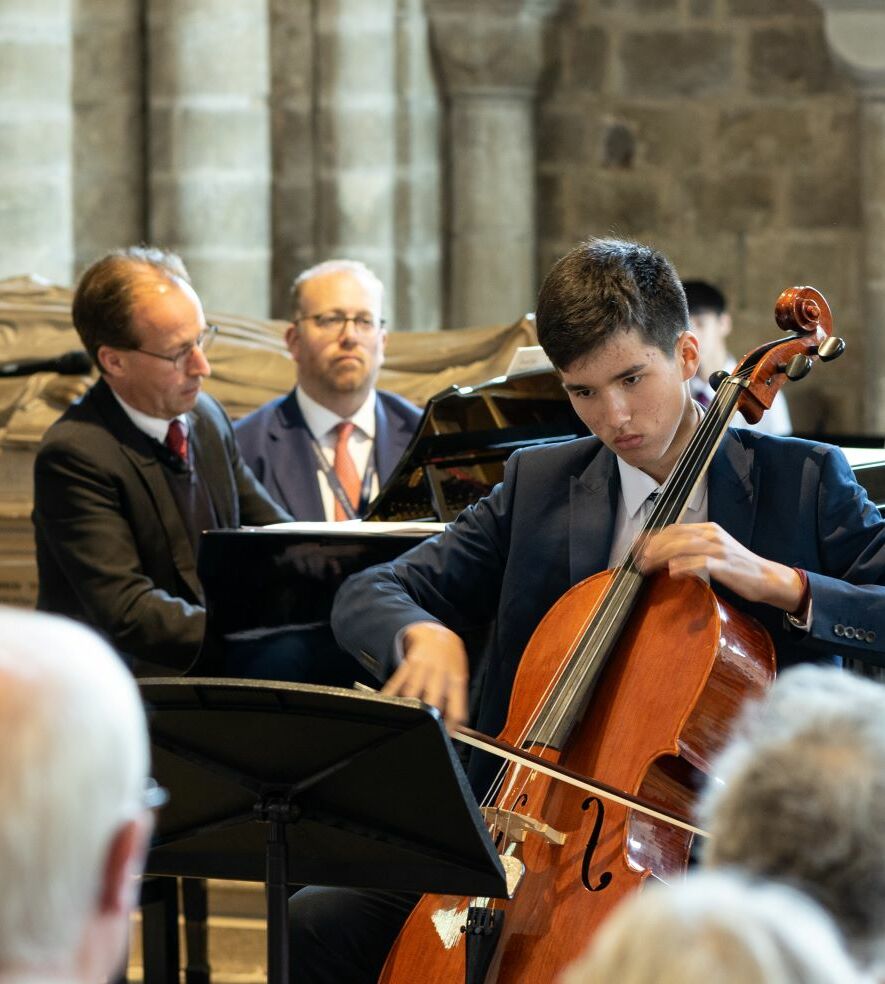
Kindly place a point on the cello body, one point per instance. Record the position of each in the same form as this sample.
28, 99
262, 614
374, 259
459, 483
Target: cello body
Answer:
662, 708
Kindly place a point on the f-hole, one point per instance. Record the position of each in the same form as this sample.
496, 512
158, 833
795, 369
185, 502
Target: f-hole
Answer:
592, 843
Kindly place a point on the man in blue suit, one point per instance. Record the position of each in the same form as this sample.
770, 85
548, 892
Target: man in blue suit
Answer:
778, 525
297, 444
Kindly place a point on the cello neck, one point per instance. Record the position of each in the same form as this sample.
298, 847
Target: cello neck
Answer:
571, 694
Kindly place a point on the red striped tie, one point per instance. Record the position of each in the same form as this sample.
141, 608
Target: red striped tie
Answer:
345, 469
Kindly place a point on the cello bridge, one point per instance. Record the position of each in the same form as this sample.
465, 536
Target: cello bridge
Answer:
517, 826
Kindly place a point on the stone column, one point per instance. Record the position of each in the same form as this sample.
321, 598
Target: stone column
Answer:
418, 209
109, 132
209, 147
35, 139
293, 121
490, 57
354, 85
855, 30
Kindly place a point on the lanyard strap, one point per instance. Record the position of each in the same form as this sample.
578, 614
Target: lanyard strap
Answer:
335, 482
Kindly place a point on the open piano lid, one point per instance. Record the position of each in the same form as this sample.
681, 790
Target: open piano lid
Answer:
464, 439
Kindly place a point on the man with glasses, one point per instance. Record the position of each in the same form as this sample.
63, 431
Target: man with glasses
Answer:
131, 474
76, 816
324, 450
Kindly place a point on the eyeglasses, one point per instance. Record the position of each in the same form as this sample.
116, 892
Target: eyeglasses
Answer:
179, 360
334, 322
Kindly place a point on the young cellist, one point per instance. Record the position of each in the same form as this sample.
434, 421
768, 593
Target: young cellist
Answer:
778, 526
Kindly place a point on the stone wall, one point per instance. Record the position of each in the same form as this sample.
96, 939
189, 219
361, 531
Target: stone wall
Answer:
721, 132
262, 136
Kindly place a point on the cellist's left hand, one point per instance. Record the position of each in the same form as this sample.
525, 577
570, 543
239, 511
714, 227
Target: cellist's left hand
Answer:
705, 548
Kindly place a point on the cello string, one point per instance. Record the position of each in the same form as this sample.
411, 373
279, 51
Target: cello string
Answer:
616, 597
672, 501
665, 511
668, 509
674, 498
619, 592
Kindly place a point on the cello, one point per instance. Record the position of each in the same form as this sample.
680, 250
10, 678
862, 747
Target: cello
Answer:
596, 696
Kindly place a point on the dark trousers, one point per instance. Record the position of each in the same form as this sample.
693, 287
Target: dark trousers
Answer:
340, 935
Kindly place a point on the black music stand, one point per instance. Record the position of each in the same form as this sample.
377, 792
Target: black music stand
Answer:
293, 784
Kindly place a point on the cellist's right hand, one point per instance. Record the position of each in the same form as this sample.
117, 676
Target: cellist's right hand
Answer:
433, 669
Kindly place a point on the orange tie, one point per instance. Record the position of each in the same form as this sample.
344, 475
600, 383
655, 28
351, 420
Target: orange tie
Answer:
345, 469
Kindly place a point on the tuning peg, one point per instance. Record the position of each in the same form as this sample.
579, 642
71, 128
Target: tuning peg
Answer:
831, 348
716, 378
798, 367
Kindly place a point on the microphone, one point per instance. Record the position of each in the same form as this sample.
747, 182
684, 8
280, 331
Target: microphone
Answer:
76, 363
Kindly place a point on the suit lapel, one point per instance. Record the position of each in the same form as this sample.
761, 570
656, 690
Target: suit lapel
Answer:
731, 491
292, 465
389, 440
593, 506
210, 456
139, 449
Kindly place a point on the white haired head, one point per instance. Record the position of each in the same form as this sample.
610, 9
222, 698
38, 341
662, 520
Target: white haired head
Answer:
799, 796
715, 928
73, 765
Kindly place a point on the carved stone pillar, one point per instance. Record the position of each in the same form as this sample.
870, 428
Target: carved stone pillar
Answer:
355, 149
855, 30
209, 182
35, 139
490, 56
108, 178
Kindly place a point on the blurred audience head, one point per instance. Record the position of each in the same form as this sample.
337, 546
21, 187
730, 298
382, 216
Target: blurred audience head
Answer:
715, 928
799, 796
73, 818
711, 322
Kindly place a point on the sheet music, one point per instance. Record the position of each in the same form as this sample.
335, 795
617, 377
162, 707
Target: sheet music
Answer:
528, 358
351, 526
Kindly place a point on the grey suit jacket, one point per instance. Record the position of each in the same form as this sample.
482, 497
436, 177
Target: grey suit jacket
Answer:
275, 442
112, 550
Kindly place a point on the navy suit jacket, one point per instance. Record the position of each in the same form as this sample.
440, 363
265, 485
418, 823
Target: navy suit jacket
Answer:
275, 443
549, 524
112, 549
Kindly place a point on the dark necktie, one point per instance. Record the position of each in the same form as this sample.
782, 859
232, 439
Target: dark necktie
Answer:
176, 439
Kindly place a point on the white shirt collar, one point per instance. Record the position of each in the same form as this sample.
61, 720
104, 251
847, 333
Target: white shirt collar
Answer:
637, 486
321, 421
154, 427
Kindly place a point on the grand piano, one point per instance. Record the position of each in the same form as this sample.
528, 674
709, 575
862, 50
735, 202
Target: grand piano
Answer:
269, 592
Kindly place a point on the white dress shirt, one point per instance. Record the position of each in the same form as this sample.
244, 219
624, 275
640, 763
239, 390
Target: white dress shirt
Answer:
154, 427
322, 423
634, 508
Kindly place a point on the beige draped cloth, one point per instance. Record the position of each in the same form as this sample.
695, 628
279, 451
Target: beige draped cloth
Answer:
250, 363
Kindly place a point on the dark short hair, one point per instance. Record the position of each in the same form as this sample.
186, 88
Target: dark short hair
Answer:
703, 298
105, 296
605, 286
